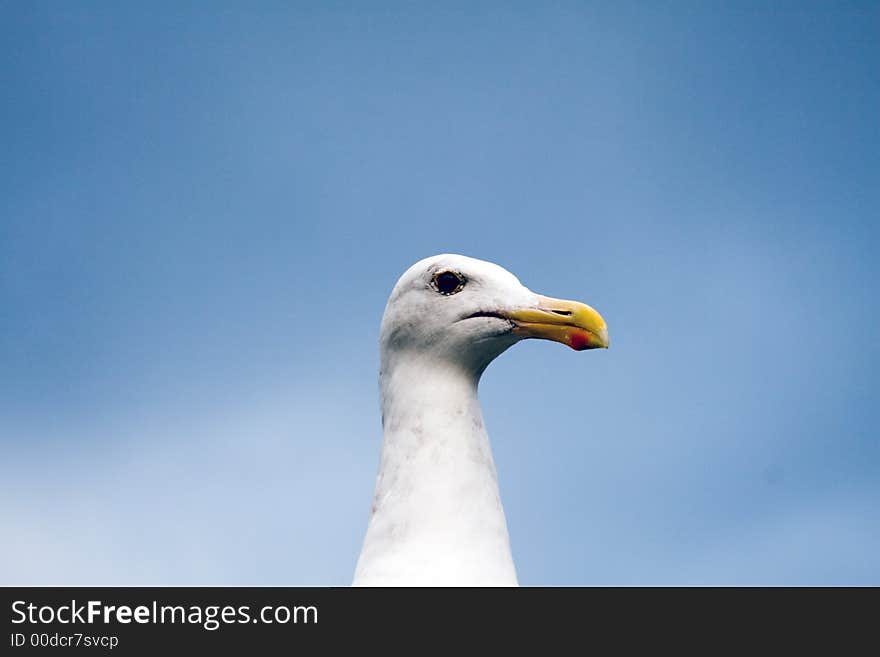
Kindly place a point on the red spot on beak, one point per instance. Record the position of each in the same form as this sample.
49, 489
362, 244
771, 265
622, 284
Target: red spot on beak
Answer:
578, 340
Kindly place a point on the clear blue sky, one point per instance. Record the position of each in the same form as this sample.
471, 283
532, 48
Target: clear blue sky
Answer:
205, 207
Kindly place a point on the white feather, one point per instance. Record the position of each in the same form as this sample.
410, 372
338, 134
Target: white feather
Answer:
437, 517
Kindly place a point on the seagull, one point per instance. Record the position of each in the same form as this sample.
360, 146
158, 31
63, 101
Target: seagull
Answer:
436, 517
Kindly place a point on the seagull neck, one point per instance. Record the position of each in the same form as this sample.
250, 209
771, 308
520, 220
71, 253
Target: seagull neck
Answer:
420, 395
437, 516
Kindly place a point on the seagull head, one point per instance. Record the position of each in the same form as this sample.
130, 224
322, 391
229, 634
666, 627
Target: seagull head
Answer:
468, 311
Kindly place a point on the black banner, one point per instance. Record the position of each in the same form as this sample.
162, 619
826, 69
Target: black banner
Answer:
151, 620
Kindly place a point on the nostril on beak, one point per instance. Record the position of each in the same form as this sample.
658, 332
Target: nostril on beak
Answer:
564, 313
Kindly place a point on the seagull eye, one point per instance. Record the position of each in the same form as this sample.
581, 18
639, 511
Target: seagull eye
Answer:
448, 282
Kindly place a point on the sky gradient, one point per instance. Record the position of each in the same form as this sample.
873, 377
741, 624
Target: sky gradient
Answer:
205, 206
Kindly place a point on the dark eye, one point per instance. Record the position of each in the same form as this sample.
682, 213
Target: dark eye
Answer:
448, 282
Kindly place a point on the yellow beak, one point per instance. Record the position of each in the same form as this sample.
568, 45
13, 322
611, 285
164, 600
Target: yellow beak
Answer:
569, 322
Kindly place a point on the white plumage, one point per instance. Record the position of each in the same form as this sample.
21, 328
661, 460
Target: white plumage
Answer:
437, 517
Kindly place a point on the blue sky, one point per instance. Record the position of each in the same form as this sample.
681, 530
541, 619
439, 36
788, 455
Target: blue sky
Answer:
205, 207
